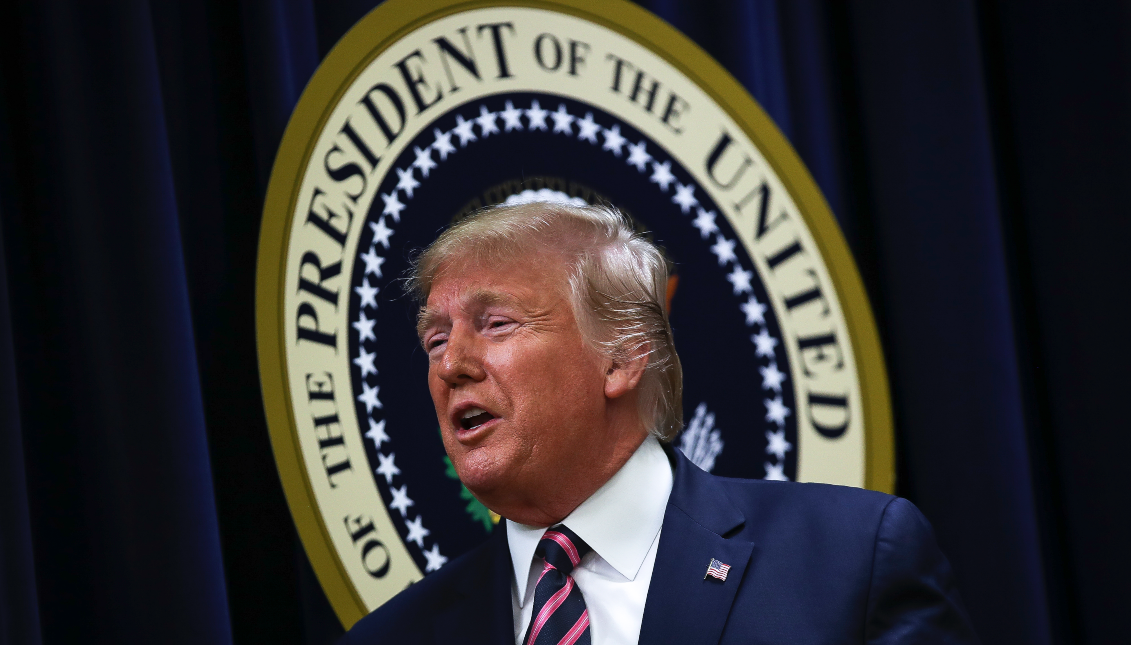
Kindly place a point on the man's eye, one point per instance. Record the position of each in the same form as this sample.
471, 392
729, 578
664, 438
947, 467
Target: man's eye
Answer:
435, 342
499, 323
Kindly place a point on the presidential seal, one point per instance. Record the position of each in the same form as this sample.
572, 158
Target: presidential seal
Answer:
426, 111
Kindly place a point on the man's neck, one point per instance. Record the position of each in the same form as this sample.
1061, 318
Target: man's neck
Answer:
577, 484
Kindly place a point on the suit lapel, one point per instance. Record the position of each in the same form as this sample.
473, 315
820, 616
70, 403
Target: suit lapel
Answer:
682, 606
479, 613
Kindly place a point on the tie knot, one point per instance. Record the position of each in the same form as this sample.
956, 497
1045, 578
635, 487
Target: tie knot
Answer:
561, 548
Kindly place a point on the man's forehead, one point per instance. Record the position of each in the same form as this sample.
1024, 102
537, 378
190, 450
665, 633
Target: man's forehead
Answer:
525, 279
472, 295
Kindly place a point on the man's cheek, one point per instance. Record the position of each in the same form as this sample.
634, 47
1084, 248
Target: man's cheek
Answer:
439, 398
455, 450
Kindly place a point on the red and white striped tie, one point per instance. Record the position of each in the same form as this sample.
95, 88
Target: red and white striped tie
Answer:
559, 616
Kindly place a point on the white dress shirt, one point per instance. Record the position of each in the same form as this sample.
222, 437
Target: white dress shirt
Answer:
621, 522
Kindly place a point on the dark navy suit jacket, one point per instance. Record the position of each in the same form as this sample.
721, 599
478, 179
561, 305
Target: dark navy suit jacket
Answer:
809, 563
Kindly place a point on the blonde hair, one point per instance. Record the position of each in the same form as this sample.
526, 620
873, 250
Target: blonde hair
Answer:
617, 285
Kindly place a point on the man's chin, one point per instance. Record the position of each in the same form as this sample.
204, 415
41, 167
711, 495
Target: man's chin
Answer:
484, 486
484, 478
485, 460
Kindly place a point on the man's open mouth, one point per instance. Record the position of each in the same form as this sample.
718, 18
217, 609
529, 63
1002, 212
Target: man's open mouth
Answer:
475, 417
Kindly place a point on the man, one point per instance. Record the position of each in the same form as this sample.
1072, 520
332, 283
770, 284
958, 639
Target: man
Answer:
557, 388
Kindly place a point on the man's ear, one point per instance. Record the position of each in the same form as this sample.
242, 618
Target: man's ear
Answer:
623, 376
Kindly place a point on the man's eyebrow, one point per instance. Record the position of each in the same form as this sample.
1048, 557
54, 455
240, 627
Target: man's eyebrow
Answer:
486, 297
479, 297
425, 318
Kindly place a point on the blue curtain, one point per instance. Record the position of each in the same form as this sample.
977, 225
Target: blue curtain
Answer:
118, 495
976, 155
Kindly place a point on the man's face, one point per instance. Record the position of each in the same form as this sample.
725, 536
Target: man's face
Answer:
519, 395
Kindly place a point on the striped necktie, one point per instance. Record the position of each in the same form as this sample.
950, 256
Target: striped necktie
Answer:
559, 616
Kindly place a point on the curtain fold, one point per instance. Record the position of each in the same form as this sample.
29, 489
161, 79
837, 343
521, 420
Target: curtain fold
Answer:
19, 601
120, 488
951, 344
281, 49
1063, 89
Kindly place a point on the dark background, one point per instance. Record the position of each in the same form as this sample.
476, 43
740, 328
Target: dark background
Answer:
976, 154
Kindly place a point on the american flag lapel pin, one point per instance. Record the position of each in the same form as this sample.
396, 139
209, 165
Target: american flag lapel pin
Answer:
717, 570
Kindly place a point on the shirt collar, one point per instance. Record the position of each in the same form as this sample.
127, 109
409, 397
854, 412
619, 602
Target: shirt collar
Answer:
619, 521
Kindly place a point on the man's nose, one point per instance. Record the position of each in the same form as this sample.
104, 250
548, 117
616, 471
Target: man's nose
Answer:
462, 361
